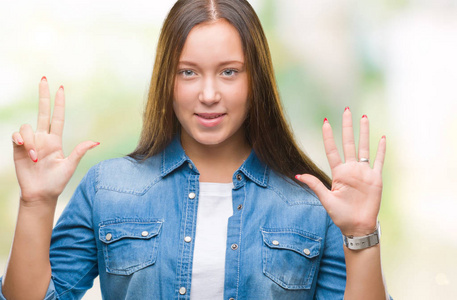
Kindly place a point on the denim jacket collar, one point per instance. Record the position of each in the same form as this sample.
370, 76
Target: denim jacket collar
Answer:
174, 156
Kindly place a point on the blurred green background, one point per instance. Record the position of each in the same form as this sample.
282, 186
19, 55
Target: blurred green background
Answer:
394, 60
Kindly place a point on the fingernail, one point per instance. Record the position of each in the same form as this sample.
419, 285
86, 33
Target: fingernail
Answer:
297, 176
33, 155
94, 145
325, 120
61, 87
347, 108
384, 137
19, 141
44, 78
364, 116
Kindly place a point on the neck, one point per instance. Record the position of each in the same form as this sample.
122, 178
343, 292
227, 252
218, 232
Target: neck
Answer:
216, 163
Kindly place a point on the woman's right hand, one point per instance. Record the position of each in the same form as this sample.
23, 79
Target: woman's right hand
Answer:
42, 169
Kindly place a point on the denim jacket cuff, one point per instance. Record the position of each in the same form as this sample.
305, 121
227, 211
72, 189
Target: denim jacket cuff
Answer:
50, 293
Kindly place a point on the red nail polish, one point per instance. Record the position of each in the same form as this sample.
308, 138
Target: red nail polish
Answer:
33, 155
20, 143
325, 120
364, 116
44, 78
61, 87
347, 108
384, 137
297, 176
94, 145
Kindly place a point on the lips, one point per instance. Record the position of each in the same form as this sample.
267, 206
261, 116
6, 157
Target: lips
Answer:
210, 116
210, 119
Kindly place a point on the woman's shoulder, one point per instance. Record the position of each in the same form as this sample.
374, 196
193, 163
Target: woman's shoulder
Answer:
125, 174
129, 163
290, 191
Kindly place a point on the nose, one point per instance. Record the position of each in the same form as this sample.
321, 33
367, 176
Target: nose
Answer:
209, 92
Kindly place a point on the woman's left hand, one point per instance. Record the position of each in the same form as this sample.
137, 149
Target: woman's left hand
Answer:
353, 202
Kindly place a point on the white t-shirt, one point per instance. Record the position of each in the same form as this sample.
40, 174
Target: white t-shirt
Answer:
208, 269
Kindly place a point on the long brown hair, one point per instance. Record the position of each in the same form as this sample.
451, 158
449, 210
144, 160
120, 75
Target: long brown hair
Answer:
266, 129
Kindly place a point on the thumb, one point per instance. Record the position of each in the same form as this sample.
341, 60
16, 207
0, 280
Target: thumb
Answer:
315, 185
75, 156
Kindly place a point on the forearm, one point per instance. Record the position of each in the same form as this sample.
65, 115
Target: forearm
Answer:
364, 274
29, 270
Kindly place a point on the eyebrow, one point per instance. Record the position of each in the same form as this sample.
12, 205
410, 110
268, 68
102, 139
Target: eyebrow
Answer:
189, 63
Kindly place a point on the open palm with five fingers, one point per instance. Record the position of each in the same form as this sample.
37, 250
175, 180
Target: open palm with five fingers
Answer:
42, 169
353, 202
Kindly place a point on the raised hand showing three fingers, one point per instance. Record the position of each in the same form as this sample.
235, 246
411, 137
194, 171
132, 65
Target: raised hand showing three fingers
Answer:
353, 202
42, 169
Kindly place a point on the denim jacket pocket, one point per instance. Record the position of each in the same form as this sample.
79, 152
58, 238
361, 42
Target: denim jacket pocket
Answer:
290, 257
129, 244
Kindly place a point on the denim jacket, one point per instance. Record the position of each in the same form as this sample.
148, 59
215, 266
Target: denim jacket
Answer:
128, 221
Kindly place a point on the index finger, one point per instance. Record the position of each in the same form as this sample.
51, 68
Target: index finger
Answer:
44, 106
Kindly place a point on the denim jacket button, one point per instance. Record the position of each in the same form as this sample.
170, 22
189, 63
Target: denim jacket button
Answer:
190, 166
144, 233
239, 177
275, 242
240, 207
232, 299
109, 236
192, 195
182, 290
307, 252
234, 246
187, 239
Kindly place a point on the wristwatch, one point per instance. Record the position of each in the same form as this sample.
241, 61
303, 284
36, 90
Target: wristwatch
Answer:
362, 242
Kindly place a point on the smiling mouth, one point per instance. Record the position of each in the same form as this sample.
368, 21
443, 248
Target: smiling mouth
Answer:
210, 116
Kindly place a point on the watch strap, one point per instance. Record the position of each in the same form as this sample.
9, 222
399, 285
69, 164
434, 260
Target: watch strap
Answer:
362, 242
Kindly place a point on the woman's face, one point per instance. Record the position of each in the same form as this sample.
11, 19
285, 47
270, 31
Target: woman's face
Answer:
211, 85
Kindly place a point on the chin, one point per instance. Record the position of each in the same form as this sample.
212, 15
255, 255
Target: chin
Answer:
209, 139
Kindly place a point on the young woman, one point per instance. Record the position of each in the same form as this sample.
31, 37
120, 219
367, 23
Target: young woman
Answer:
209, 205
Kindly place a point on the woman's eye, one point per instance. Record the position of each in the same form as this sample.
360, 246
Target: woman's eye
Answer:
229, 72
187, 73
